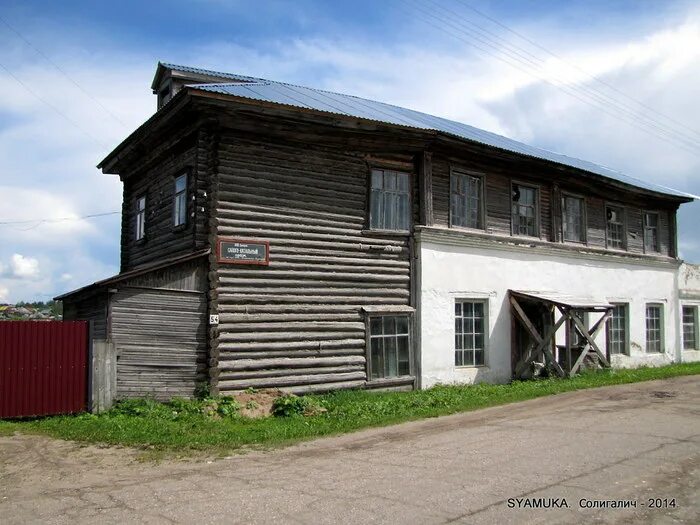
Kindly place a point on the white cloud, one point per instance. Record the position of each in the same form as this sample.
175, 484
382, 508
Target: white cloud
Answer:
22, 267
4, 294
47, 165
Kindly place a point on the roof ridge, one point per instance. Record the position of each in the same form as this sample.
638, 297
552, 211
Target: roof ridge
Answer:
483, 136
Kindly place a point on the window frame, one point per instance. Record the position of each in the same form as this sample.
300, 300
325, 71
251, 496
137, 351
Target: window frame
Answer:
384, 169
626, 327
538, 209
657, 248
459, 172
486, 346
180, 226
140, 218
695, 326
662, 346
623, 211
368, 346
584, 217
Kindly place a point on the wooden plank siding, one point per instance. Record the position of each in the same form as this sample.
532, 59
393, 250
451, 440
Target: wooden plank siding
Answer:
92, 307
297, 323
498, 178
158, 326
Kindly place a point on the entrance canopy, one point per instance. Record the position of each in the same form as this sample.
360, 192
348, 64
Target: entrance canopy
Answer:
539, 340
564, 300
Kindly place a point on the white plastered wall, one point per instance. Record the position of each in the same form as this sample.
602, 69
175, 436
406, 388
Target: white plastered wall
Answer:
449, 272
689, 292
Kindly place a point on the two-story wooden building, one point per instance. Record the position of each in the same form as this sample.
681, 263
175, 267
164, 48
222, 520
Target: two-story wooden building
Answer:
275, 235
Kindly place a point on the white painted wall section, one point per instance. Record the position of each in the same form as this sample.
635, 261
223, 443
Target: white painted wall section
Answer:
448, 273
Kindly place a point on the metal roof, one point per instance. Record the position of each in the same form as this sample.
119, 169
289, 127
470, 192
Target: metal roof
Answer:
352, 106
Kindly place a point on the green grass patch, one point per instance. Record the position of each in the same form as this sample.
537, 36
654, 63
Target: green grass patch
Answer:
213, 426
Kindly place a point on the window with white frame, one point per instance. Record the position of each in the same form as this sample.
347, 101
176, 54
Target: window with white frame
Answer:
140, 229
651, 232
390, 203
616, 330
470, 332
525, 211
573, 219
655, 328
389, 346
466, 201
690, 328
615, 227
180, 201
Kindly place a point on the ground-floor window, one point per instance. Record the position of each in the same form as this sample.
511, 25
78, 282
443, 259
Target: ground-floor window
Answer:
389, 346
617, 330
690, 328
470, 333
654, 322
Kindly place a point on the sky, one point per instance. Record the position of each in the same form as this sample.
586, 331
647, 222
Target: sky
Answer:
613, 82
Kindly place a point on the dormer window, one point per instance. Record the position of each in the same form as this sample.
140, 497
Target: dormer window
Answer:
180, 201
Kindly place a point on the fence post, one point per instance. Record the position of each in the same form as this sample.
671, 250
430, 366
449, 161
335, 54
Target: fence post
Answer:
90, 371
104, 365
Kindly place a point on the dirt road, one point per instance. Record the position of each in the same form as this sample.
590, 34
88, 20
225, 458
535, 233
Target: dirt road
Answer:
635, 443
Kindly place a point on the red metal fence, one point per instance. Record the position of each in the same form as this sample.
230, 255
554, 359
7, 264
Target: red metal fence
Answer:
43, 367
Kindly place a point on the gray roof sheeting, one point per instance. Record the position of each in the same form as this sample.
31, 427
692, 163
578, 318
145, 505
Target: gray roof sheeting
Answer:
327, 101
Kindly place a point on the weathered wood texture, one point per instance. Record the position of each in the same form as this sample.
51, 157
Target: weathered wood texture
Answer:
88, 307
155, 179
297, 323
104, 376
160, 341
498, 177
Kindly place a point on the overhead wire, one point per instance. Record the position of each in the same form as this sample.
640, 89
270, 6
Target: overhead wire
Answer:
63, 72
517, 61
578, 68
592, 91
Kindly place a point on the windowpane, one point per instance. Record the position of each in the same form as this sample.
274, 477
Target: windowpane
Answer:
573, 219
689, 328
466, 201
470, 333
525, 210
615, 227
389, 346
140, 227
180, 201
651, 229
617, 330
390, 204
654, 328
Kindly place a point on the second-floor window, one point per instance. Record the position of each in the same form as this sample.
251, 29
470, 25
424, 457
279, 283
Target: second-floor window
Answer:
615, 227
466, 202
573, 219
525, 214
651, 232
140, 232
389, 201
180, 201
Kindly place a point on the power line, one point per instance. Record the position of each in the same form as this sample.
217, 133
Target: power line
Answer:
599, 102
573, 65
66, 75
520, 64
594, 93
54, 108
39, 222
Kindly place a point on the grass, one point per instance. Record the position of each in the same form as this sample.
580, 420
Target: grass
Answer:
180, 427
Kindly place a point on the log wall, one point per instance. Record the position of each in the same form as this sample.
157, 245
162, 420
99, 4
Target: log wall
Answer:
298, 323
155, 178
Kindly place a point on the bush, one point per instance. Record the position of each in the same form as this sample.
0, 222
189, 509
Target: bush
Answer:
291, 405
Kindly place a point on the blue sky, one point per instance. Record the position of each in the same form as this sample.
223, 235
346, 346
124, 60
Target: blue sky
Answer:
437, 56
